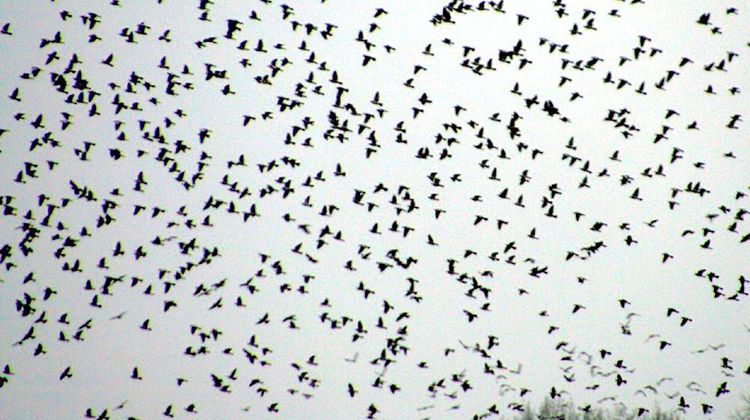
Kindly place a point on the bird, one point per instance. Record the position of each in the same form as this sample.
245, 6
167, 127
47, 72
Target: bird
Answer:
66, 373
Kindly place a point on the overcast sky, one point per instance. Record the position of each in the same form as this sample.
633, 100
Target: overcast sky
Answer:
491, 197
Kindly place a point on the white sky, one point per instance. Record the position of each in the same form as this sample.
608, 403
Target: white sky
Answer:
103, 361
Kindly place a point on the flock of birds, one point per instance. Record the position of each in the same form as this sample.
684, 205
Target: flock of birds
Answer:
339, 209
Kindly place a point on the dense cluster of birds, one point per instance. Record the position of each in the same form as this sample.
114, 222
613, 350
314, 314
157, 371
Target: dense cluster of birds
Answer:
339, 209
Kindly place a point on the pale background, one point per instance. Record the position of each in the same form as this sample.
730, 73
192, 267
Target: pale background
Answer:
103, 362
